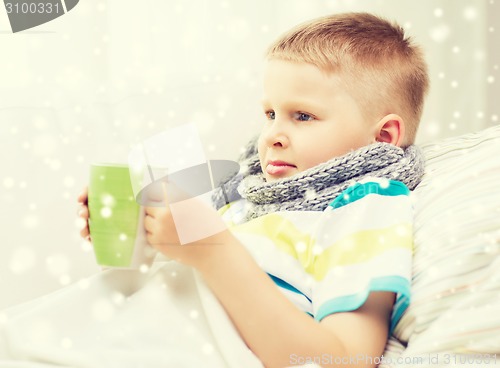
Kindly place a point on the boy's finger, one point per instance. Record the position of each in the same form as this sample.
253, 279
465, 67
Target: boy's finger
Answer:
83, 212
148, 224
152, 196
151, 211
84, 232
83, 196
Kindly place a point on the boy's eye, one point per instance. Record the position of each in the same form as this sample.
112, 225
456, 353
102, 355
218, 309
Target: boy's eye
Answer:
302, 116
271, 115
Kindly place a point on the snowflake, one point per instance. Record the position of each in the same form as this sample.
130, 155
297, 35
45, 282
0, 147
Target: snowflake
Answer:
402, 231
300, 246
84, 284
118, 298
101, 7
106, 212
207, 348
440, 33
65, 280
22, 260
9, 183
194, 314
66, 343
102, 310
30, 221
470, 13
438, 12
108, 200
317, 250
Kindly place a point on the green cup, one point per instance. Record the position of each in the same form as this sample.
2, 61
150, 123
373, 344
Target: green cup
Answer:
116, 220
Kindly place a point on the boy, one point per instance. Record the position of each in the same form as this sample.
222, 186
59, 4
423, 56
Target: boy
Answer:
324, 228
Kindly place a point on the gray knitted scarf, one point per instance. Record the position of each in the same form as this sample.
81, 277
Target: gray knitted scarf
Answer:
315, 187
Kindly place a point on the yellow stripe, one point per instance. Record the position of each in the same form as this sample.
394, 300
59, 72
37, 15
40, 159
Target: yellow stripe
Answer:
221, 211
224, 208
285, 235
354, 248
361, 247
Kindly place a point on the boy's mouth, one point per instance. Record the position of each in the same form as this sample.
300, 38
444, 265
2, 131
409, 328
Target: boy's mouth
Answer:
279, 167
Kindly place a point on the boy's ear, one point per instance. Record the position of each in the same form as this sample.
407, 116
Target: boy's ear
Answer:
391, 129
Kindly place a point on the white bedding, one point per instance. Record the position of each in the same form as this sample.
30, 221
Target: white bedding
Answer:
123, 318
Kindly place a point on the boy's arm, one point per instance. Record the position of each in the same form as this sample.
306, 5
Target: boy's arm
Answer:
274, 329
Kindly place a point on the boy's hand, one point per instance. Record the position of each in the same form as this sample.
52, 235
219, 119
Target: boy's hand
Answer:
161, 234
160, 228
83, 213
195, 225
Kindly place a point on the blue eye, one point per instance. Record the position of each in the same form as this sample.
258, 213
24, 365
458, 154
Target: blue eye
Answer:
271, 115
301, 116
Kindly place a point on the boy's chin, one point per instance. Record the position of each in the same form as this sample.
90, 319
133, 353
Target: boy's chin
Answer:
272, 178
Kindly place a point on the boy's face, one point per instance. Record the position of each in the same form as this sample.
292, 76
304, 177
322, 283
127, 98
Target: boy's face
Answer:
310, 119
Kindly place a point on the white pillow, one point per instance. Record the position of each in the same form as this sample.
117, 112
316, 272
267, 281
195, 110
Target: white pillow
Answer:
455, 306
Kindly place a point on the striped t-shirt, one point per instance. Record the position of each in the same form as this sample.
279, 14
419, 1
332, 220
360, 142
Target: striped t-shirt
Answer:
328, 262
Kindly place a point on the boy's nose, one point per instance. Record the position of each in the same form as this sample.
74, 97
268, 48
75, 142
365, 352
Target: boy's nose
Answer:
276, 135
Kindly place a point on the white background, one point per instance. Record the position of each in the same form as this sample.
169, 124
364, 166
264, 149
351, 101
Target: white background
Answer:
92, 83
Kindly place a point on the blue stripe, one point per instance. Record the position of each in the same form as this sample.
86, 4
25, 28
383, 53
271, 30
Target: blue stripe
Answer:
360, 190
402, 303
287, 286
347, 303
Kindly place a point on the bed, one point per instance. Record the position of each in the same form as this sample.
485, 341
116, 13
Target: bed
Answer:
453, 319
454, 316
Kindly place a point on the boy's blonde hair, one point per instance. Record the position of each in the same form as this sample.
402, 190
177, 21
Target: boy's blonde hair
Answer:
379, 67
